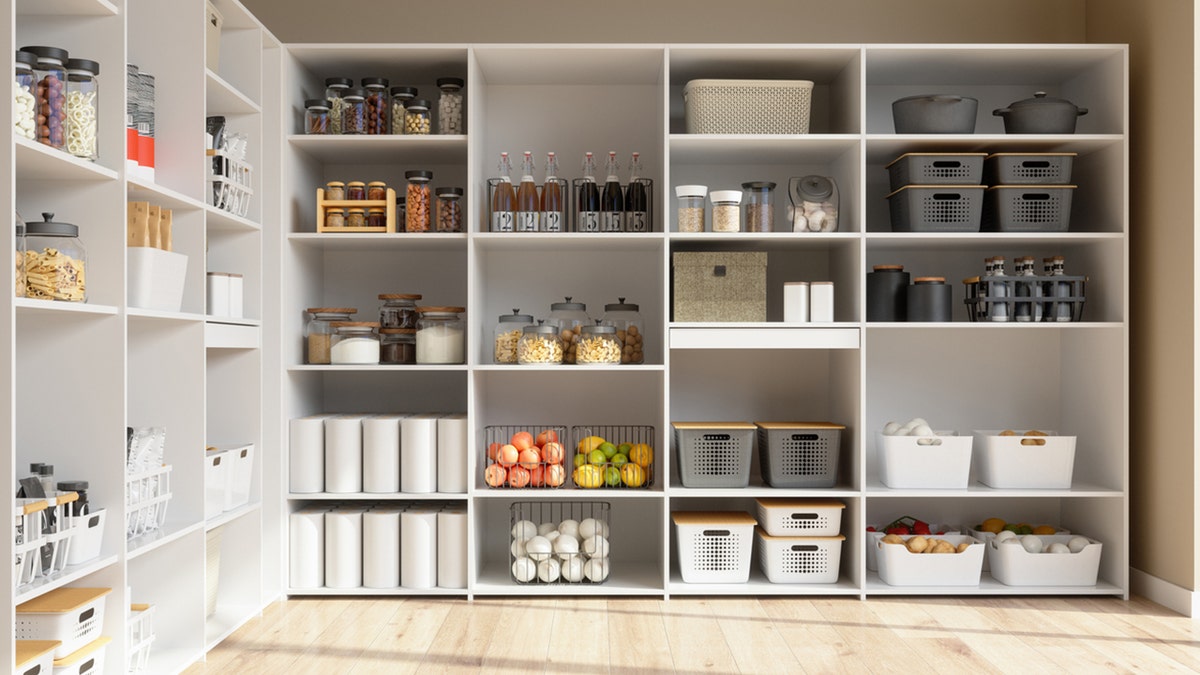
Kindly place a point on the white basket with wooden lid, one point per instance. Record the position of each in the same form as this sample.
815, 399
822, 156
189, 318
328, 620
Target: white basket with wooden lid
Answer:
800, 517
714, 546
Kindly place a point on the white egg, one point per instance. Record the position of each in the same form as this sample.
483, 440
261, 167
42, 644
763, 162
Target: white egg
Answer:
1077, 544
1005, 535
547, 570
539, 548
1032, 543
545, 528
1057, 547
518, 548
918, 421
524, 570
596, 547
905, 429
566, 545
523, 529
921, 430
572, 569
891, 428
552, 535
1011, 540
596, 569
569, 526
590, 527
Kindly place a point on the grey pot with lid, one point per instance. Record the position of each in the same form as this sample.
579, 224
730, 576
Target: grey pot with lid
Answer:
1041, 114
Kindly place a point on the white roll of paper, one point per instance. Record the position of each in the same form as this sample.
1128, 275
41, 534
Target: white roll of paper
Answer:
381, 548
418, 454
418, 548
452, 454
306, 454
452, 548
381, 453
306, 543
343, 548
343, 454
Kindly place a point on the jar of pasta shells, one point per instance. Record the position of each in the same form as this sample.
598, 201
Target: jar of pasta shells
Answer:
55, 261
507, 334
539, 345
598, 344
625, 317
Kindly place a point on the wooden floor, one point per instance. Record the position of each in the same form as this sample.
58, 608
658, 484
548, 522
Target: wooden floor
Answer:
720, 635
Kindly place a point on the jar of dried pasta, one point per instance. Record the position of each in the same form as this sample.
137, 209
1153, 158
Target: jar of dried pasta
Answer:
598, 345
540, 345
507, 334
55, 261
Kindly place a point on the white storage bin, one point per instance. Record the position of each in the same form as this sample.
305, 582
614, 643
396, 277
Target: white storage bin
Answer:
905, 463
239, 473
714, 546
1012, 565
872, 537
216, 472
800, 517
156, 278
799, 560
88, 537
74, 616
141, 637
88, 660
900, 567
1035, 462
987, 537
212, 37
28, 515
35, 657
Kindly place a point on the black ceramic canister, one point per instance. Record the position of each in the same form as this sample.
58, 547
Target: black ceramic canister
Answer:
929, 299
887, 293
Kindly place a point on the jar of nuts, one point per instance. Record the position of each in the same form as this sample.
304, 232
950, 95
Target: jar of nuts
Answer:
417, 120
417, 214
507, 334
567, 317
539, 345
378, 107
51, 93
598, 344
400, 96
626, 318
449, 209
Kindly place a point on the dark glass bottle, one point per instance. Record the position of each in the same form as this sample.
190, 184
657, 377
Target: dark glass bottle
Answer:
612, 201
589, 197
636, 202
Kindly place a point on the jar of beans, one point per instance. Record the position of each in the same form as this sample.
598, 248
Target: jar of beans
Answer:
400, 97
378, 108
449, 209
335, 91
399, 310
354, 112
316, 116
51, 94
398, 346
450, 105
417, 214
417, 120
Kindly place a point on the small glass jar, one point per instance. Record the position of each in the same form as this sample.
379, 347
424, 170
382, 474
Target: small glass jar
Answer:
441, 335
19, 280
598, 344
354, 112
51, 95
450, 105
539, 345
335, 191
354, 342
449, 209
507, 334
401, 210
318, 333
377, 191
417, 199
356, 190
417, 120
376, 217
335, 217
399, 310
760, 206
627, 319
568, 317
55, 261
316, 116
378, 107
335, 92
24, 101
400, 96
356, 217
689, 217
398, 346
726, 214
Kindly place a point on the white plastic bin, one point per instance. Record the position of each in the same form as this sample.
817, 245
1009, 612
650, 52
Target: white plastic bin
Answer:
714, 546
900, 567
35, 657
907, 464
87, 660
1012, 565
873, 550
239, 475
156, 278
1019, 461
141, 637
216, 472
73, 616
88, 538
798, 560
800, 517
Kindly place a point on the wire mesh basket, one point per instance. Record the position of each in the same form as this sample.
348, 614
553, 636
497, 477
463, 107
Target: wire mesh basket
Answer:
1033, 299
625, 459
525, 456
147, 494
560, 542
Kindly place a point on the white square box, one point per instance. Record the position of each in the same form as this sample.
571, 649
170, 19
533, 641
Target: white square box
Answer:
34, 657
239, 472
799, 560
156, 278
216, 468
88, 660
72, 615
1019, 461
900, 567
800, 517
1012, 565
905, 463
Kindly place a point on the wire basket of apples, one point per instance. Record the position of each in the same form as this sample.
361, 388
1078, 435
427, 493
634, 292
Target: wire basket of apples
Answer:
525, 456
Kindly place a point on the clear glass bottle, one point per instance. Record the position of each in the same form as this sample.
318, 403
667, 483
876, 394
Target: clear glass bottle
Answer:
506, 335
24, 100
354, 112
759, 200
999, 289
689, 213
539, 345
397, 346
316, 116
46, 476
627, 319
528, 204
51, 94
400, 96
19, 279
504, 198
441, 335
568, 317
83, 106
449, 209
417, 120
612, 199
399, 310
418, 201
318, 333
587, 206
553, 206
450, 105
354, 342
726, 214
378, 107
598, 344
335, 92
55, 261
637, 201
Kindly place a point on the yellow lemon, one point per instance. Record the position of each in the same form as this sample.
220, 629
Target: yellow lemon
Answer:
589, 476
589, 444
641, 454
633, 475
1044, 529
992, 525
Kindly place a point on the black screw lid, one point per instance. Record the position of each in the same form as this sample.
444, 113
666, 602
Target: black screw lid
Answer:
316, 102
72, 485
47, 227
404, 92
375, 82
450, 82
90, 66
339, 82
54, 53
28, 58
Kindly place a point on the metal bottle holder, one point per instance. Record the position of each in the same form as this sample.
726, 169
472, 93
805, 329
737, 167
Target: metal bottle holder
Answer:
1022, 296
506, 221
579, 225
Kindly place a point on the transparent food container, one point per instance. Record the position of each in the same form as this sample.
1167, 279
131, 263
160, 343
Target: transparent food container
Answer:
539, 345
55, 261
506, 335
627, 319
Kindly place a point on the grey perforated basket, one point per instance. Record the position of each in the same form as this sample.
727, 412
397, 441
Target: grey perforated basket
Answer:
1038, 168
747, 106
936, 168
936, 208
714, 454
1028, 208
799, 454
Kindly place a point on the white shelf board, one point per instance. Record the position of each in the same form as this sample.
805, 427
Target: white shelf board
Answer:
967, 241
66, 8
379, 368
550, 242
571, 367
758, 489
137, 313
222, 98
231, 336
820, 63
231, 515
377, 496
374, 592
226, 620
383, 148
233, 321
1078, 490
424, 61
626, 578
772, 335
783, 241
883, 148
759, 585
568, 493
70, 574
971, 64
143, 190
30, 305
41, 162
554, 64
371, 241
992, 325
223, 221
169, 532
988, 586
717, 149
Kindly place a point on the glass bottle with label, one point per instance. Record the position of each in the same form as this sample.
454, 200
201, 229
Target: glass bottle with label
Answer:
528, 204
612, 200
552, 198
588, 204
1026, 310
504, 197
637, 206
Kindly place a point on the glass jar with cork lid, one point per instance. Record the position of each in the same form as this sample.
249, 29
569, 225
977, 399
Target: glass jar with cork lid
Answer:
318, 333
441, 335
398, 346
399, 310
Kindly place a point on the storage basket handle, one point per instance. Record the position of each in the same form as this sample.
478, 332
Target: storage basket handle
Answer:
717, 533
946, 196
1033, 441
947, 164
804, 437
804, 547
86, 614
804, 516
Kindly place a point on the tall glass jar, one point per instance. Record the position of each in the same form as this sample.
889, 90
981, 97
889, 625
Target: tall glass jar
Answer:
627, 319
335, 92
598, 345
316, 116
726, 216
354, 342
441, 335
539, 345
689, 216
568, 317
400, 97
55, 261
417, 120
398, 346
24, 101
354, 112
417, 215
449, 209
450, 105
759, 200
378, 107
507, 334
19, 279
51, 94
83, 103
399, 310
318, 333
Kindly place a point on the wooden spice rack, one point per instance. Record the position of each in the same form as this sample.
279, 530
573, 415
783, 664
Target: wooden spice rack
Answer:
324, 204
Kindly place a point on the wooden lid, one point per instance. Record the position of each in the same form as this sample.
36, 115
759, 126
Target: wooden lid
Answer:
1032, 187
785, 503
936, 154
921, 280
82, 653
888, 268
354, 324
377, 183
1033, 154
332, 310
356, 182
139, 606
797, 540
29, 651
399, 296
445, 310
800, 425
713, 425
972, 280
712, 518
397, 331
62, 600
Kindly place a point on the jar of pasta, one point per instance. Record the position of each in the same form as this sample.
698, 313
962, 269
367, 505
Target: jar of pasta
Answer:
83, 102
55, 261
598, 344
539, 345
507, 334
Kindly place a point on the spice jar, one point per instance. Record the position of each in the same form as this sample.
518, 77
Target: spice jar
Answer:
354, 342
441, 334
19, 280
55, 261
24, 103
450, 105
356, 190
417, 120
887, 293
318, 334
449, 209
377, 191
625, 317
335, 92
725, 214
51, 94
400, 96
929, 299
507, 334
417, 201
690, 214
376, 90
399, 310
760, 206
316, 116
539, 345
356, 217
567, 317
335, 217
354, 112
598, 344
335, 191
376, 217
397, 346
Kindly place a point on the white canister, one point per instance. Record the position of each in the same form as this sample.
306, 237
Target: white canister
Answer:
418, 548
381, 548
381, 453
795, 302
820, 302
418, 454
343, 548
218, 294
306, 454
306, 543
343, 454
452, 548
236, 295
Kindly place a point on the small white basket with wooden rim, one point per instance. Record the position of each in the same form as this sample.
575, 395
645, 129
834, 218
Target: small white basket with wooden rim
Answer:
714, 547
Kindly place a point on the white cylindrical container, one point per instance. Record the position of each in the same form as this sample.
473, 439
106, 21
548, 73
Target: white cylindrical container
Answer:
418, 454
306, 549
820, 301
452, 548
343, 548
343, 454
795, 302
306, 454
381, 453
452, 454
218, 294
236, 295
381, 548
418, 548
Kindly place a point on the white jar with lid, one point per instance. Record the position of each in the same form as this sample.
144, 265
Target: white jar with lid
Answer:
727, 214
441, 334
689, 216
355, 342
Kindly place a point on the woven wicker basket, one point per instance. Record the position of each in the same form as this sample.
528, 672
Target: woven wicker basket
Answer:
747, 106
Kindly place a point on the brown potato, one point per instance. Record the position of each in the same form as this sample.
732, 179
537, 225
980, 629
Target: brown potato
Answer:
1035, 432
1008, 432
917, 544
942, 547
893, 539
963, 547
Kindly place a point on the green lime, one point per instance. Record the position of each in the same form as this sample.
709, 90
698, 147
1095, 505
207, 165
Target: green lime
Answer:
597, 457
624, 448
619, 460
580, 460
612, 476
608, 449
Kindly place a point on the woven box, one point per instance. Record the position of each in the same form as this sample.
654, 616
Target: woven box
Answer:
714, 546
747, 106
798, 560
712, 286
799, 454
714, 454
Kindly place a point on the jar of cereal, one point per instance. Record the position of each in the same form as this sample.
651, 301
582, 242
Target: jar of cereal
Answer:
539, 345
